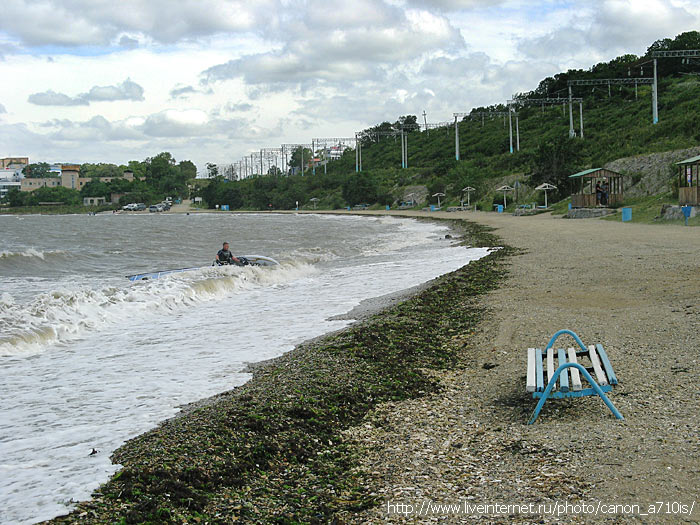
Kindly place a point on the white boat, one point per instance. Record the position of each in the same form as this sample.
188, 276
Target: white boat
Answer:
248, 260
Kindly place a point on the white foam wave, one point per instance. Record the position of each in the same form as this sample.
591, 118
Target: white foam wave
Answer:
29, 252
67, 313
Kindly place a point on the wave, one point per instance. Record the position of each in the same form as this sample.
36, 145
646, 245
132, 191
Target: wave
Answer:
30, 252
67, 313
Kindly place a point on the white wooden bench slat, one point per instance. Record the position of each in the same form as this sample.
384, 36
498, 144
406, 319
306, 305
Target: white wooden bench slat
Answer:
530, 370
539, 378
599, 375
550, 366
564, 376
575, 374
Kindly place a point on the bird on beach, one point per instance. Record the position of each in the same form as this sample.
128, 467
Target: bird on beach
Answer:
94, 451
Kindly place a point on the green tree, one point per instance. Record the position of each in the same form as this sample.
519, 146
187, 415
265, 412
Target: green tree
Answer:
38, 170
554, 161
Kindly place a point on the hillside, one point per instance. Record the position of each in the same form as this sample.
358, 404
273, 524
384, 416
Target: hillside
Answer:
617, 125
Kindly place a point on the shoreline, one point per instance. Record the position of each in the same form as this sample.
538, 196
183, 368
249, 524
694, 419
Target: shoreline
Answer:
427, 402
317, 426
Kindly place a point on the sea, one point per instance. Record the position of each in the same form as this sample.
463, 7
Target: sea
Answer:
89, 359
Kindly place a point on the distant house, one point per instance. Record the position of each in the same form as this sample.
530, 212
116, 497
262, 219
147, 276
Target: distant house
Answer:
13, 162
94, 201
31, 184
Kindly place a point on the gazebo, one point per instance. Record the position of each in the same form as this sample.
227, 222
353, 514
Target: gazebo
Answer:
586, 197
546, 187
689, 181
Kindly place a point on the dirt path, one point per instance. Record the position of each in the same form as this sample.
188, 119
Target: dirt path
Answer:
633, 288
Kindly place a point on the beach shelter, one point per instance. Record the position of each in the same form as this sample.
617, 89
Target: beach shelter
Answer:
469, 190
438, 195
314, 200
546, 187
586, 196
504, 189
689, 181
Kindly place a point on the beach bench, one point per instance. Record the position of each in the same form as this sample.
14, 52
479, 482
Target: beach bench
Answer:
563, 370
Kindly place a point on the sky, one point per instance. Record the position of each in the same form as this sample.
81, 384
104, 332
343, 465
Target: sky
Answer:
213, 80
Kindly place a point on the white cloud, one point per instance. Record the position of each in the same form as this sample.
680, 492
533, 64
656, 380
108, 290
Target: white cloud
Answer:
216, 78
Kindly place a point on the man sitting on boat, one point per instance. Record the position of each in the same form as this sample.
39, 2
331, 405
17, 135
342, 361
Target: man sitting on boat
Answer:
224, 256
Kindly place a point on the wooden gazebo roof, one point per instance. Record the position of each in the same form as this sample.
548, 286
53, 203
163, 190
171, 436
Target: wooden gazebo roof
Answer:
594, 173
691, 160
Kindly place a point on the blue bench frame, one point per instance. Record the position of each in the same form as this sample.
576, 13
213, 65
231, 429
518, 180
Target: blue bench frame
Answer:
564, 391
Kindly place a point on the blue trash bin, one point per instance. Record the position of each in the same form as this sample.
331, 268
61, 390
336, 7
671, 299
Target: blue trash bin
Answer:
626, 214
432, 207
388, 207
500, 208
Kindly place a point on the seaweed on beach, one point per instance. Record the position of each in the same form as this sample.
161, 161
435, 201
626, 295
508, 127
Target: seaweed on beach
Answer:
273, 451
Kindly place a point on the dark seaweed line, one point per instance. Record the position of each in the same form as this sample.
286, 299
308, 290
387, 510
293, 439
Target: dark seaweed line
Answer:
271, 451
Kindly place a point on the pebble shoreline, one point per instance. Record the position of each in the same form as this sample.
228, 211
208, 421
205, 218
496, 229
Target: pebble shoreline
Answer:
453, 431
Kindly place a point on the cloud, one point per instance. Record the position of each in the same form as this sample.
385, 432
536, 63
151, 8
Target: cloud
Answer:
182, 92
611, 27
342, 43
2, 109
238, 107
453, 5
128, 42
127, 90
51, 98
87, 22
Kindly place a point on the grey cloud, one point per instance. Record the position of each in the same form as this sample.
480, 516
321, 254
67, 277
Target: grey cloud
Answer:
2, 109
35, 23
127, 90
182, 92
51, 98
128, 42
453, 5
341, 57
238, 107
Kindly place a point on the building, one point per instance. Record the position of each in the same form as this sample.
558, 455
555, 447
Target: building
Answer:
93, 201
31, 184
13, 162
6, 185
69, 178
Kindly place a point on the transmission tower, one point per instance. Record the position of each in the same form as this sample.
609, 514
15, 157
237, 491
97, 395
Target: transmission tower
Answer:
377, 134
287, 149
624, 82
554, 101
681, 53
484, 114
341, 143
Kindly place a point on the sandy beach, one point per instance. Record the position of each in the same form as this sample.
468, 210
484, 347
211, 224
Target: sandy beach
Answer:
633, 288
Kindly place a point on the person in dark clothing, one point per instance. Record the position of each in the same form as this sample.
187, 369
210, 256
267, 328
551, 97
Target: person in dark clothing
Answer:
598, 192
224, 256
604, 193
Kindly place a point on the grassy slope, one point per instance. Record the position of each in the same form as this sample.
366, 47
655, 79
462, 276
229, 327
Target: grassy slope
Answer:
613, 128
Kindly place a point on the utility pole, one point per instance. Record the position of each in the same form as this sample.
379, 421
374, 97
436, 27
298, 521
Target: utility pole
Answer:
425, 121
572, 133
456, 138
517, 132
510, 128
654, 97
580, 110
